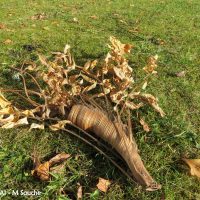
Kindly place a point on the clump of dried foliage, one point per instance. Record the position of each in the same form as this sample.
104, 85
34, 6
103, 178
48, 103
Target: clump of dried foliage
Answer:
96, 97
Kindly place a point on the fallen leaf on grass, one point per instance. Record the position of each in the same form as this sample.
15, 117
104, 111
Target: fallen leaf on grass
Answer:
103, 184
93, 17
79, 192
39, 16
8, 41
58, 158
3, 101
2, 26
36, 126
144, 125
41, 171
181, 74
18, 123
60, 125
194, 165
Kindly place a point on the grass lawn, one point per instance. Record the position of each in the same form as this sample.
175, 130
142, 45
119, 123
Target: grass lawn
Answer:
169, 28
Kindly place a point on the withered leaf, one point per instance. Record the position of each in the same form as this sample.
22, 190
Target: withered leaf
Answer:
103, 184
58, 158
79, 192
194, 165
42, 171
7, 111
2, 26
151, 65
60, 125
39, 16
93, 17
3, 101
144, 125
13, 124
36, 126
144, 85
8, 41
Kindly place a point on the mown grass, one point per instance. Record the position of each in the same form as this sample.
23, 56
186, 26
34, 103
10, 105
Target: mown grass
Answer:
141, 23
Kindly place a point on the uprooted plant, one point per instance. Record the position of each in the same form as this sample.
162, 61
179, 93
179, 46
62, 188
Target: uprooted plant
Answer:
97, 97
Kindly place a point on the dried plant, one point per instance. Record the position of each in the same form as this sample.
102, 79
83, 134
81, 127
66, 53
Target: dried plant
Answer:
96, 97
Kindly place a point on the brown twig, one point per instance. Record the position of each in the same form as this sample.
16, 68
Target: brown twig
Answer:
99, 150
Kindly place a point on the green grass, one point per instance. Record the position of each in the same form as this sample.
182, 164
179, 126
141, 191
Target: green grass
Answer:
177, 22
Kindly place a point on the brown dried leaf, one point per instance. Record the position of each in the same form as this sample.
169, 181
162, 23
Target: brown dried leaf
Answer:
42, 171
7, 111
60, 125
36, 126
4, 102
58, 159
103, 184
118, 47
133, 106
2, 26
90, 87
194, 165
151, 65
12, 124
151, 100
144, 125
43, 60
39, 16
93, 17
79, 192
8, 41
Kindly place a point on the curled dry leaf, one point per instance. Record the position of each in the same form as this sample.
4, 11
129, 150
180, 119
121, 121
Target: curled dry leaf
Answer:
144, 85
41, 171
60, 125
36, 126
8, 41
144, 125
12, 124
79, 192
3, 101
151, 64
103, 184
58, 158
194, 165
2, 26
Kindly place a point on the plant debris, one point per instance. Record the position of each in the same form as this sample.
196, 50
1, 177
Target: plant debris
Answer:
41, 171
103, 184
180, 74
194, 165
94, 97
